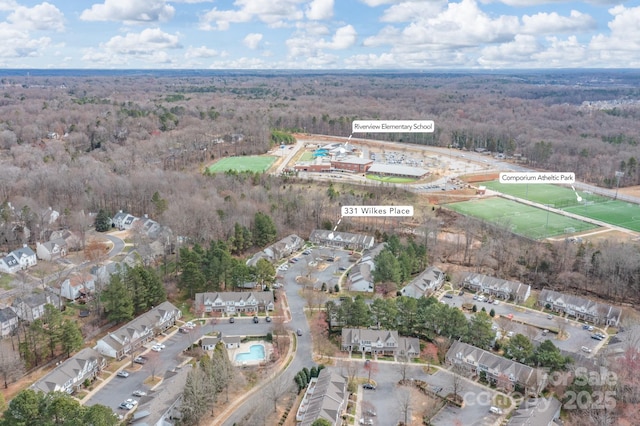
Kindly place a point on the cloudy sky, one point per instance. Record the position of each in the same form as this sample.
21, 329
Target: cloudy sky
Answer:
320, 34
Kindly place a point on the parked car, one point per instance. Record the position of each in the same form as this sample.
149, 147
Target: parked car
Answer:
125, 406
299, 332
156, 348
586, 349
190, 324
370, 412
496, 302
131, 401
139, 393
232, 320
268, 319
256, 320
549, 316
461, 292
364, 421
448, 295
369, 386
140, 360
123, 373
495, 410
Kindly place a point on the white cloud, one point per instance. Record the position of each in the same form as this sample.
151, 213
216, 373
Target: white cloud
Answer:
550, 23
563, 53
252, 40
8, 5
412, 10
527, 3
44, 16
17, 43
129, 11
344, 38
387, 35
273, 13
520, 51
461, 24
149, 45
375, 3
242, 63
624, 39
320, 9
200, 52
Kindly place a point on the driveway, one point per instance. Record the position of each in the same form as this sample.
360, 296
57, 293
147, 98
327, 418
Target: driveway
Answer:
534, 324
117, 389
387, 398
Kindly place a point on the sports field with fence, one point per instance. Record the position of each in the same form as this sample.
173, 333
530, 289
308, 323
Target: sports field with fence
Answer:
250, 163
522, 219
583, 203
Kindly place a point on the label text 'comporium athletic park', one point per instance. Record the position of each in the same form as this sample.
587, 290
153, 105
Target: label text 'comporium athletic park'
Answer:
537, 177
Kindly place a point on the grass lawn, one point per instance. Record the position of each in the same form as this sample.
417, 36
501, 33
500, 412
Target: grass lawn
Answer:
522, 219
250, 163
306, 156
5, 280
558, 196
502, 401
391, 179
614, 212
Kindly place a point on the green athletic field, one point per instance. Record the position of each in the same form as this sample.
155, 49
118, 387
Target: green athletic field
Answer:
614, 212
520, 218
391, 179
250, 163
543, 193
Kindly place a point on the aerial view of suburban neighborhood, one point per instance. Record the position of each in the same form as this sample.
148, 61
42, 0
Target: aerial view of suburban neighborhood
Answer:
240, 249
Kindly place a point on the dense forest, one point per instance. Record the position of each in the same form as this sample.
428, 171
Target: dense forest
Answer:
82, 144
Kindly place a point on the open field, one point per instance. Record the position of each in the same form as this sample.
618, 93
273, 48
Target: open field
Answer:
555, 195
391, 179
250, 163
615, 212
522, 219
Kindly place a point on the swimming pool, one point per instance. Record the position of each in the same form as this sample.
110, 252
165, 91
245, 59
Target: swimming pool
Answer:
256, 353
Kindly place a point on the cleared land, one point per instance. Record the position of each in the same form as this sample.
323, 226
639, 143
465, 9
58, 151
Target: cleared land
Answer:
614, 212
250, 163
520, 218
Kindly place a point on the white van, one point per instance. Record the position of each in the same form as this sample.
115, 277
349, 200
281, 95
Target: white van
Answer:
495, 410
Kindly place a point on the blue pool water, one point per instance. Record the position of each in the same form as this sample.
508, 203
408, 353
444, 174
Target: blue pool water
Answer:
256, 353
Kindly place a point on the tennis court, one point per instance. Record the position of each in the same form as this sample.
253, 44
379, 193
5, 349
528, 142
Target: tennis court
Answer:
614, 212
250, 163
520, 218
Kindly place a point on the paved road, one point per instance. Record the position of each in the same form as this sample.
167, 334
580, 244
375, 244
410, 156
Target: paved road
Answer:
118, 389
303, 354
535, 323
388, 396
118, 244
